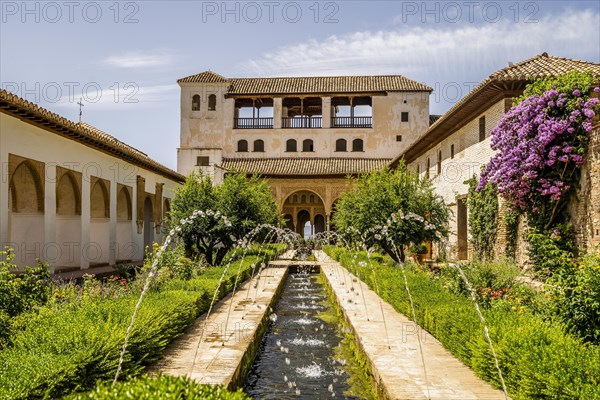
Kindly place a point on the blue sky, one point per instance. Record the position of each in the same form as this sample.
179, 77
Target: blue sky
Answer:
123, 58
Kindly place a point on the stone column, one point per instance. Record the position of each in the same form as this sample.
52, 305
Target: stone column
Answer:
326, 110
50, 249
277, 112
112, 233
4, 201
85, 220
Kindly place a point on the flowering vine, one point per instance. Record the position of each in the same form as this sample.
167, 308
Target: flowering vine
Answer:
541, 144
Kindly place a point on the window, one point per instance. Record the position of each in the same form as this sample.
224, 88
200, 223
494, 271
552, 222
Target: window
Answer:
404, 116
212, 102
357, 145
196, 102
259, 145
291, 145
242, 146
439, 163
482, 129
452, 151
398, 138
312, 198
295, 198
418, 169
202, 161
308, 145
428, 168
340, 145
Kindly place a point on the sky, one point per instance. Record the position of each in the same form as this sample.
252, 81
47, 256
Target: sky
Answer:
122, 59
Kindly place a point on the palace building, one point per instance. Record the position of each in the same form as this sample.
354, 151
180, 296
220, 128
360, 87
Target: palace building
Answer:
305, 135
457, 145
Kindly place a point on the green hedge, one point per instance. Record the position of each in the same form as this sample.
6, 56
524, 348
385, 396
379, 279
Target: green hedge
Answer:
54, 353
538, 360
162, 387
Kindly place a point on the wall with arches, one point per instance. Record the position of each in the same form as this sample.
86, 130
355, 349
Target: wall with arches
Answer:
69, 204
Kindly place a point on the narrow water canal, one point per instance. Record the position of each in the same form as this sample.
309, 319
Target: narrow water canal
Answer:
296, 359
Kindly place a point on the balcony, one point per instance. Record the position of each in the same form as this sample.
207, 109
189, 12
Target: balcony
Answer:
253, 123
304, 121
351, 122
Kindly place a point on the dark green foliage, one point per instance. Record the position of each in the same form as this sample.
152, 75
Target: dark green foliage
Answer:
511, 223
232, 209
68, 347
409, 206
538, 360
161, 387
483, 218
576, 298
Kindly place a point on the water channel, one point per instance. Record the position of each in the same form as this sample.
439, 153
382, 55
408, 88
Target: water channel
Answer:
297, 359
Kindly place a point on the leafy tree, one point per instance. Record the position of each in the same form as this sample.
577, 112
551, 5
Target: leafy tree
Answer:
395, 205
224, 213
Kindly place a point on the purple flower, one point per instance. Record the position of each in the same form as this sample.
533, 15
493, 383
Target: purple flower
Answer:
576, 93
597, 89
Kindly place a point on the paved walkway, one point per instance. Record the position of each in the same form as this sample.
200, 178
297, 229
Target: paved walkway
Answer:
214, 351
398, 368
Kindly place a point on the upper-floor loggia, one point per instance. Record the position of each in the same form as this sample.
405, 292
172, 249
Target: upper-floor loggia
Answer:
296, 102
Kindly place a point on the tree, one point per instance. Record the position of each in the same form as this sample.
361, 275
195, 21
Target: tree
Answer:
228, 212
395, 205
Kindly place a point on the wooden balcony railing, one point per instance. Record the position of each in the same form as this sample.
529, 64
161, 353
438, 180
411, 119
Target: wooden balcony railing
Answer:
253, 123
303, 121
351, 122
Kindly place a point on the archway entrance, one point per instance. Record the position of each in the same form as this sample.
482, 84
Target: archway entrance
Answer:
305, 213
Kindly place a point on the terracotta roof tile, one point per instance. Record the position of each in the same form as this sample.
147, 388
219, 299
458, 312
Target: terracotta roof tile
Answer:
81, 132
312, 84
542, 66
515, 76
304, 166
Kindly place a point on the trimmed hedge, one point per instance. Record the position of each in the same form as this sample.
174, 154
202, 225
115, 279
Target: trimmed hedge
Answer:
538, 360
161, 387
55, 352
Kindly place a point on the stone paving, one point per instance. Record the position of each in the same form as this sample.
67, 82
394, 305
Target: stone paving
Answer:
393, 353
215, 351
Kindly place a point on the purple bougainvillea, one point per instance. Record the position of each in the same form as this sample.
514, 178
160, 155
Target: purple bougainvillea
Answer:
541, 143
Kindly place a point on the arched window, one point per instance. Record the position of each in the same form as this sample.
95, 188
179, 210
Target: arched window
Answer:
357, 145
340, 145
196, 102
295, 198
312, 198
242, 146
291, 145
307, 145
212, 102
259, 145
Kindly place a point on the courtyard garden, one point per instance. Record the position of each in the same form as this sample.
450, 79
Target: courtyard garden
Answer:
534, 336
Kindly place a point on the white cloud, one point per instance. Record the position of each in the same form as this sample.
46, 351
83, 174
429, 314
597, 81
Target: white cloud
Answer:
451, 59
127, 97
422, 50
139, 59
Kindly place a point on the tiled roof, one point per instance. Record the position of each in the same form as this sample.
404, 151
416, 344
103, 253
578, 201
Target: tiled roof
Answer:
511, 79
433, 118
542, 66
81, 132
204, 77
304, 166
312, 84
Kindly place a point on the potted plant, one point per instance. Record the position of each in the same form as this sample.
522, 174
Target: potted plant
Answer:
419, 252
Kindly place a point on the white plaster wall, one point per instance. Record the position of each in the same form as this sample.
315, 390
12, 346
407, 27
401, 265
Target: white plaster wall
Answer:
68, 237
469, 156
26, 140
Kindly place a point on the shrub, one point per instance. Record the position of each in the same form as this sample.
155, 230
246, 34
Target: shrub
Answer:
576, 298
538, 359
161, 387
69, 346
